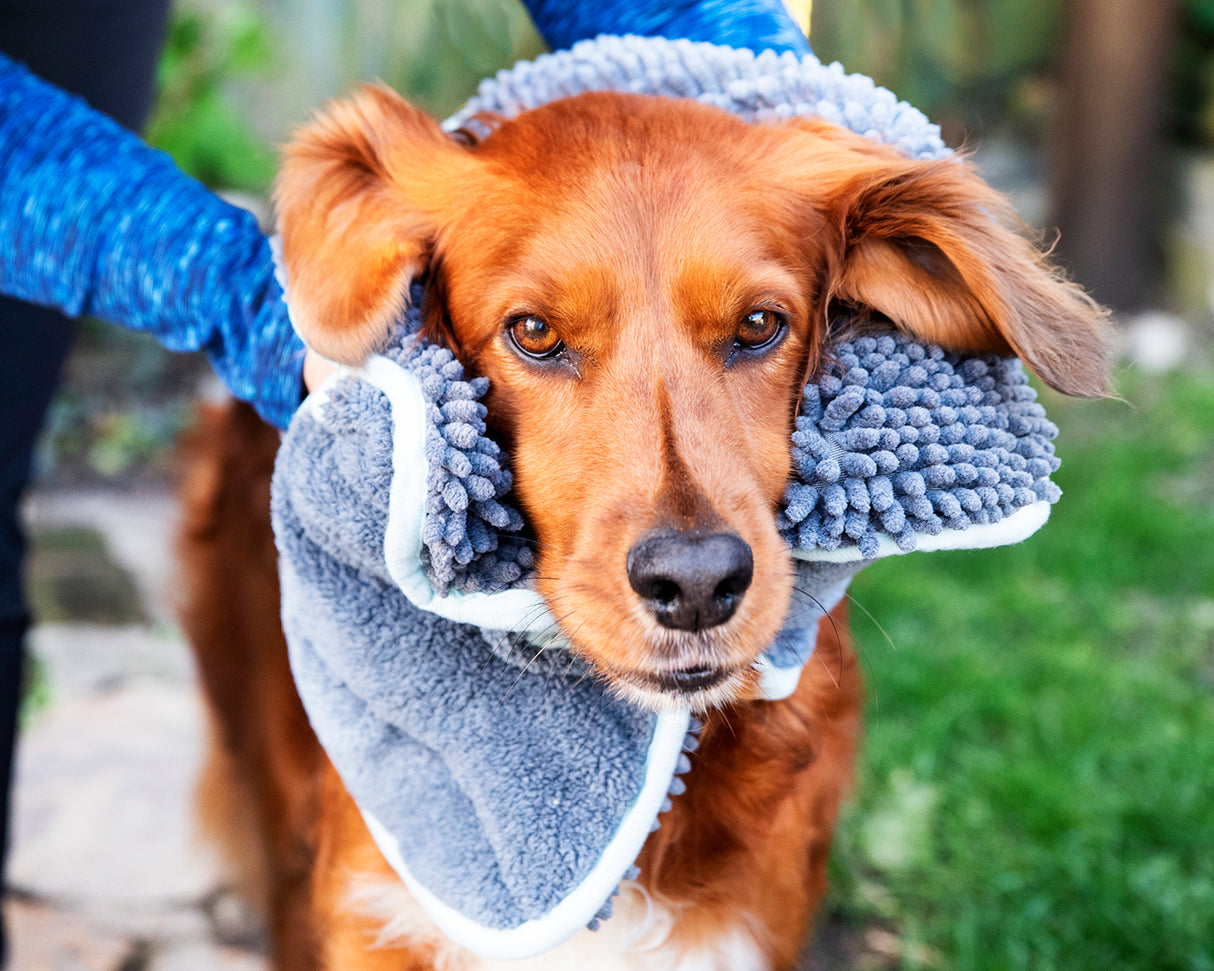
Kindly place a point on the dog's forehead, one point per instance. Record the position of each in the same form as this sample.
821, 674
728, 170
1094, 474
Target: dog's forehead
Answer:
602, 175
572, 137
612, 205
614, 246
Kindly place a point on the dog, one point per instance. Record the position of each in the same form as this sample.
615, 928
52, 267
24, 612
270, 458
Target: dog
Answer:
648, 283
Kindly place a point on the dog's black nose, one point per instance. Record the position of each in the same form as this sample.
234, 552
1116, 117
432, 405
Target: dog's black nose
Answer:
690, 581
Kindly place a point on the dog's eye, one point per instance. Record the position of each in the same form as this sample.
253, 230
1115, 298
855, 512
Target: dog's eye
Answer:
758, 329
535, 337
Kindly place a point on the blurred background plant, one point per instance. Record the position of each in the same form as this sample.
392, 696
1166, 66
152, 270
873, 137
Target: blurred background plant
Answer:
969, 65
1036, 789
434, 50
1193, 100
210, 51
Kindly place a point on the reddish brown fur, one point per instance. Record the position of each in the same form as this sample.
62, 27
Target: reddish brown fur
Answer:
752, 833
643, 231
258, 793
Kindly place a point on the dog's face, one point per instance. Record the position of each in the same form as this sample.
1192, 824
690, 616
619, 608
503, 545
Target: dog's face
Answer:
648, 283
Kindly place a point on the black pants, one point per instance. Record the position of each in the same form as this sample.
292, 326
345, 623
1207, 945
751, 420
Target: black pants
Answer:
105, 51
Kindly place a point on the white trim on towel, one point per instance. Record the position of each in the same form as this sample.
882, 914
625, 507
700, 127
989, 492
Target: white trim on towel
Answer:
581, 904
517, 609
1014, 528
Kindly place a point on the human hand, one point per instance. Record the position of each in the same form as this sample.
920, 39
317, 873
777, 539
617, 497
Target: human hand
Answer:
316, 370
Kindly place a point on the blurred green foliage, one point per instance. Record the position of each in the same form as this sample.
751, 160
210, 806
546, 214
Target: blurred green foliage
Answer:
1193, 99
433, 51
196, 120
978, 64
464, 41
232, 71
968, 62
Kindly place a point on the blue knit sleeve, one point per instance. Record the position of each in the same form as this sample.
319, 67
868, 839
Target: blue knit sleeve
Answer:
756, 24
92, 221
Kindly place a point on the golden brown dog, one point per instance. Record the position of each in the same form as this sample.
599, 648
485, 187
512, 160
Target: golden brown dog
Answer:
647, 283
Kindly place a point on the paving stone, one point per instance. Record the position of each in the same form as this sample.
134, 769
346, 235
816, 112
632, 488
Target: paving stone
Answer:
86, 659
73, 578
103, 813
42, 938
204, 956
138, 529
104, 854
153, 923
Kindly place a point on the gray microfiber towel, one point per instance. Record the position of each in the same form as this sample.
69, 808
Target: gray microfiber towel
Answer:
508, 787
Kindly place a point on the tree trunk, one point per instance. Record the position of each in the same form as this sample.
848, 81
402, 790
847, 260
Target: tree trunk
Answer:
1106, 172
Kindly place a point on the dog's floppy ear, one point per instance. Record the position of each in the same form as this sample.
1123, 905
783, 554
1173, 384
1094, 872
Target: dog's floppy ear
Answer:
363, 191
930, 246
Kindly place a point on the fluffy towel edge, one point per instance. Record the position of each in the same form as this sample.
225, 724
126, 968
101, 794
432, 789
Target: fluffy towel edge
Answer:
778, 682
580, 907
1016, 528
517, 609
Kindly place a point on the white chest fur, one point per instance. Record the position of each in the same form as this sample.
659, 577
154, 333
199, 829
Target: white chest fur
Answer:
638, 937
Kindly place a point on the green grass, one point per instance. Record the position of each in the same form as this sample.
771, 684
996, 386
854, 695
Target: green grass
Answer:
1037, 789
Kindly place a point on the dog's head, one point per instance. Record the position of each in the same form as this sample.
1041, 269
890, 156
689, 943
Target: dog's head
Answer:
648, 283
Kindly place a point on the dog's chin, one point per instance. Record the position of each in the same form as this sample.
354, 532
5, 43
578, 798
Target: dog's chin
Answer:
665, 691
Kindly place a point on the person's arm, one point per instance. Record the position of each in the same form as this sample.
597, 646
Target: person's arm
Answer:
92, 221
757, 24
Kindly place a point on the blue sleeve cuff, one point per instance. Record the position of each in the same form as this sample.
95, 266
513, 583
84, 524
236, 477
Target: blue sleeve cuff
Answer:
92, 221
756, 24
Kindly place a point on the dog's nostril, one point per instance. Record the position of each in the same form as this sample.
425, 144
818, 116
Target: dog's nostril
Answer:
662, 590
690, 581
733, 585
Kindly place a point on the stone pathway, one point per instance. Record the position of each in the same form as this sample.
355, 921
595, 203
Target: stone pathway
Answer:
105, 873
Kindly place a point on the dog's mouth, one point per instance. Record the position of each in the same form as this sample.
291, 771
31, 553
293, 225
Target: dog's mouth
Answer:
686, 622
698, 687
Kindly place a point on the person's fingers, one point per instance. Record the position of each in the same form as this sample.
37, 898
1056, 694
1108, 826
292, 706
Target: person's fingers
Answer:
316, 370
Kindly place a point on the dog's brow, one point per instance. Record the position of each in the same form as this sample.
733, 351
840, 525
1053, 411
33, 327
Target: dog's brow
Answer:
575, 296
713, 287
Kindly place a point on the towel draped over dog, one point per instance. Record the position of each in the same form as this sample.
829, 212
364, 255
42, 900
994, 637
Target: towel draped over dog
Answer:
504, 782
